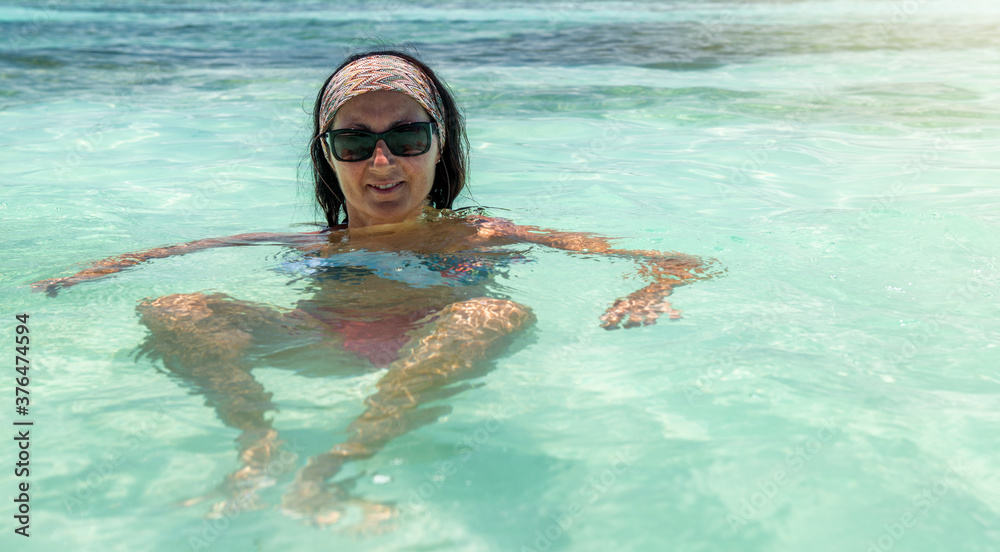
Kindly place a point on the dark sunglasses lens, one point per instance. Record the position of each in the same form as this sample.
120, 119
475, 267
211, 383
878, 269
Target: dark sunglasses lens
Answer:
352, 147
409, 140
405, 141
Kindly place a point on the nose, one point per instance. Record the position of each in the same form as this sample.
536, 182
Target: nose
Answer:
382, 155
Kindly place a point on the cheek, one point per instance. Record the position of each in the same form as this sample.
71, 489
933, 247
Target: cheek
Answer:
332, 163
346, 175
428, 168
434, 160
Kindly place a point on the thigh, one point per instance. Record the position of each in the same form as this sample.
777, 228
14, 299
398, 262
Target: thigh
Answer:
194, 332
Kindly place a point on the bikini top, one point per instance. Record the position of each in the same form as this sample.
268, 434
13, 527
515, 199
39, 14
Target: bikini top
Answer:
408, 267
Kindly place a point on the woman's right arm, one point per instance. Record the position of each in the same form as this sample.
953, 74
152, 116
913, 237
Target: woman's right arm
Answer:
118, 263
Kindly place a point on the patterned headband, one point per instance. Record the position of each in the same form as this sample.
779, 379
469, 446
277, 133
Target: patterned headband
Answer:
381, 72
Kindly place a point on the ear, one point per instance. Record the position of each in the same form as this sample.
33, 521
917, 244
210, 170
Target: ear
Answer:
326, 152
326, 155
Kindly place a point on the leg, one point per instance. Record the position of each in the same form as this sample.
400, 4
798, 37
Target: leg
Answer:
202, 339
454, 344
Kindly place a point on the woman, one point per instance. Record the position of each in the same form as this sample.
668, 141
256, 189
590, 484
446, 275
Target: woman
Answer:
398, 279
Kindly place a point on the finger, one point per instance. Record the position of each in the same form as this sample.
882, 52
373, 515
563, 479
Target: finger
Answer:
50, 287
637, 318
671, 312
650, 318
611, 323
664, 307
649, 315
611, 318
42, 285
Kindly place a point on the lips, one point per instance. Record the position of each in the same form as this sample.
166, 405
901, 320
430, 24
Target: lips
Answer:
386, 186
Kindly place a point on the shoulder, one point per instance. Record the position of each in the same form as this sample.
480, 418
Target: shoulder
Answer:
492, 227
327, 230
481, 221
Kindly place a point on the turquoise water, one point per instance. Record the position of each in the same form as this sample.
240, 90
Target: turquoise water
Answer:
835, 390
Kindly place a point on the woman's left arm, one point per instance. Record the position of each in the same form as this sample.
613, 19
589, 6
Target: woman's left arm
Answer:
667, 270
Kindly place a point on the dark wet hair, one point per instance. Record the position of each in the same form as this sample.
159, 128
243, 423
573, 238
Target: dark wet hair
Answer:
449, 173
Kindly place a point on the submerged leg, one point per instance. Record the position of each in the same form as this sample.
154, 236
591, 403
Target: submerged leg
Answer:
454, 344
203, 340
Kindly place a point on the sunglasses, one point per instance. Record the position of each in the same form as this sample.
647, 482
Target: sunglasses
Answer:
409, 140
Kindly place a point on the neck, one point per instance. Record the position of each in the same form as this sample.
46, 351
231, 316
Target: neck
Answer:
361, 228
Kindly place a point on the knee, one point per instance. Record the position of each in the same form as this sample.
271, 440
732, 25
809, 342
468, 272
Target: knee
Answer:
187, 307
176, 302
496, 314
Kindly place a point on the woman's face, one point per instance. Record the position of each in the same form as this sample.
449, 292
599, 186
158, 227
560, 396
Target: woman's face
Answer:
383, 188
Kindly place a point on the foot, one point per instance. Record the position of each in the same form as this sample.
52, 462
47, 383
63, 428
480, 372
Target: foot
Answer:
324, 504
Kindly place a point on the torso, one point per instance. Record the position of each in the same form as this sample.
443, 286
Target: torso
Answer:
396, 269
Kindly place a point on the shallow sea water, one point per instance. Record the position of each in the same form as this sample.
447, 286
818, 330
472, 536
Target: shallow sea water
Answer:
836, 389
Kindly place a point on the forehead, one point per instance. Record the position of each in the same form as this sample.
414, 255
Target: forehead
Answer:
379, 111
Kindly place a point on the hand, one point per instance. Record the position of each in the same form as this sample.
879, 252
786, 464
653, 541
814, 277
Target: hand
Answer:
641, 308
52, 286
100, 269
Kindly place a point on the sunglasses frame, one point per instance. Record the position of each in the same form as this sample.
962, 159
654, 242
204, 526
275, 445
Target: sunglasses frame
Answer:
430, 127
